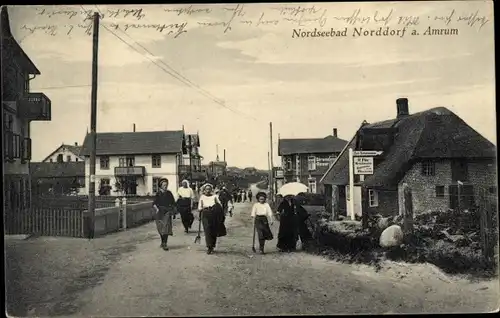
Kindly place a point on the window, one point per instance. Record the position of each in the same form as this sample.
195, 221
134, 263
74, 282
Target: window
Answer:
104, 162
312, 185
59, 158
428, 168
68, 158
459, 171
288, 164
130, 161
373, 198
156, 161
17, 146
51, 160
9, 120
311, 163
439, 191
155, 184
26, 150
121, 161
76, 159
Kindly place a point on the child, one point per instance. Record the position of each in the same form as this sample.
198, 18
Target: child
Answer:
263, 215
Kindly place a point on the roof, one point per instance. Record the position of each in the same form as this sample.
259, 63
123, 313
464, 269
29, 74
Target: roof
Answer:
329, 144
57, 170
8, 42
436, 133
135, 143
73, 149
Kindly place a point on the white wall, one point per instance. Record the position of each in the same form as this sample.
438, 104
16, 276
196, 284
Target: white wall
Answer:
167, 170
65, 152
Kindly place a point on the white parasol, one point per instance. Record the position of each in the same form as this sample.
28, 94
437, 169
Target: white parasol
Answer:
292, 188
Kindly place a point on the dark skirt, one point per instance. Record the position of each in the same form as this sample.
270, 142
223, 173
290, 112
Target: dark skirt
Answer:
213, 225
262, 227
163, 220
185, 210
288, 232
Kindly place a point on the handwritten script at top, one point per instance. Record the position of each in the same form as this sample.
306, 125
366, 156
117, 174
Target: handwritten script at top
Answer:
229, 17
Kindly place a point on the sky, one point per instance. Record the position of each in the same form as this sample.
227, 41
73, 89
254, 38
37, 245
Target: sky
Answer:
227, 71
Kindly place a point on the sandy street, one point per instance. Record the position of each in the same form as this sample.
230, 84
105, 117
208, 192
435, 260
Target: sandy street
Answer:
128, 274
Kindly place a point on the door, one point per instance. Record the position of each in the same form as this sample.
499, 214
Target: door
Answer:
463, 199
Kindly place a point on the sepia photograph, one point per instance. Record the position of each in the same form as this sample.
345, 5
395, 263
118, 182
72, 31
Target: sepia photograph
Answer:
249, 159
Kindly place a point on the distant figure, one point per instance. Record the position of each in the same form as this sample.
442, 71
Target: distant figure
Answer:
239, 196
226, 201
263, 216
244, 196
212, 217
164, 206
185, 203
288, 230
235, 196
250, 195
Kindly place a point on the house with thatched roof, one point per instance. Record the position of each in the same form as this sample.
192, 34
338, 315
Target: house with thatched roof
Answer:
305, 160
443, 160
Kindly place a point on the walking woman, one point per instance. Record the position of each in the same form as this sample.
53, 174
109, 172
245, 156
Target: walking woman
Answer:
164, 206
185, 202
302, 217
263, 215
288, 230
212, 217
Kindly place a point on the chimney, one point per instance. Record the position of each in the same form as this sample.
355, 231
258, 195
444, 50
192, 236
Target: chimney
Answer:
334, 132
133, 128
76, 144
224, 155
402, 107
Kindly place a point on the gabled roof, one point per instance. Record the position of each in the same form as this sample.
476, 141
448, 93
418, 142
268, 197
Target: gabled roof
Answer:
135, 143
10, 44
57, 170
329, 144
436, 133
71, 148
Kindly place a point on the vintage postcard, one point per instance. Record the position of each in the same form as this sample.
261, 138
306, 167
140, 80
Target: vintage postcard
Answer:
249, 159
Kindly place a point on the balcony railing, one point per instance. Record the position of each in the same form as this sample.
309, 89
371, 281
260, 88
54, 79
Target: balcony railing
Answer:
138, 171
35, 106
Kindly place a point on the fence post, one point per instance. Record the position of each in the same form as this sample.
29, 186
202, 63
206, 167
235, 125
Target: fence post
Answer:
118, 204
124, 209
364, 207
335, 202
408, 209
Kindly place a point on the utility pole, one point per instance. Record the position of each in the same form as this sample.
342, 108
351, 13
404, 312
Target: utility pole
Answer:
93, 124
190, 149
270, 173
271, 181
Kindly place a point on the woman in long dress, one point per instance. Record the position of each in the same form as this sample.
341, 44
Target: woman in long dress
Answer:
212, 217
263, 216
288, 230
164, 206
185, 202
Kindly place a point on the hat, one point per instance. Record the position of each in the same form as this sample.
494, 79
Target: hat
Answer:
261, 194
162, 180
206, 185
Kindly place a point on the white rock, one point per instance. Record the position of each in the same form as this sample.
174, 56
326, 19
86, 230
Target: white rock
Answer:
391, 236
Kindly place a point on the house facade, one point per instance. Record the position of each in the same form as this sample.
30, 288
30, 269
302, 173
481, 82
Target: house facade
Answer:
20, 107
65, 153
445, 163
307, 160
132, 163
190, 167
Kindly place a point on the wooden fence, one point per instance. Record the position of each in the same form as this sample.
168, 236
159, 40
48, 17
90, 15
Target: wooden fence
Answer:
74, 222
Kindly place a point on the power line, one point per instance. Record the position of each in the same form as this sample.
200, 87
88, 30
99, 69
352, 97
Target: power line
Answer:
177, 75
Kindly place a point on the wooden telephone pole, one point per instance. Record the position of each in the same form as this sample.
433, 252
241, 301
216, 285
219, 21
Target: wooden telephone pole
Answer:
271, 165
93, 125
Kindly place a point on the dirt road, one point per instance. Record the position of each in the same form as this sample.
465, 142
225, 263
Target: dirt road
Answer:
127, 274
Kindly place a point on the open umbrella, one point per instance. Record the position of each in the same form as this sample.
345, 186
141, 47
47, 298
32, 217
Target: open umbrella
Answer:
292, 188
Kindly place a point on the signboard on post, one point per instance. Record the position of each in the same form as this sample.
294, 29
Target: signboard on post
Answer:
367, 153
363, 165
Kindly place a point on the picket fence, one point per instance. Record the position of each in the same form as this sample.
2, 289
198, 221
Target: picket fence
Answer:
75, 222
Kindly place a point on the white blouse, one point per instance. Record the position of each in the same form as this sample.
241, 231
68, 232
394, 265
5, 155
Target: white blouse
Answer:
186, 193
262, 209
207, 201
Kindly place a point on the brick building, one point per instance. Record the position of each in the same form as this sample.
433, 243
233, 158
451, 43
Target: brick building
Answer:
306, 160
432, 151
